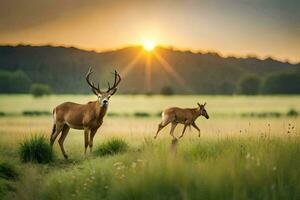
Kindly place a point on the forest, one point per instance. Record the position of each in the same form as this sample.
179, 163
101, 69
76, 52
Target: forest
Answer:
198, 73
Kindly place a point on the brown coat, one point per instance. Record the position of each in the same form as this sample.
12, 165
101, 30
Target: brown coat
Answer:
186, 116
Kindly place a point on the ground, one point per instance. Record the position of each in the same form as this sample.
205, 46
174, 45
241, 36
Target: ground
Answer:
248, 150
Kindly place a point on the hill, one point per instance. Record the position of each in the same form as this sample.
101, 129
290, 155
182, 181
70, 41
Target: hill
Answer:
184, 71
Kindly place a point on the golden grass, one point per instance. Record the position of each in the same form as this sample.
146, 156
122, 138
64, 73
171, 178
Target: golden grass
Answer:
199, 156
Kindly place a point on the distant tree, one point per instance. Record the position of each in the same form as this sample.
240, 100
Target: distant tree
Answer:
60, 66
167, 90
20, 82
14, 82
249, 85
5, 78
282, 83
227, 88
39, 89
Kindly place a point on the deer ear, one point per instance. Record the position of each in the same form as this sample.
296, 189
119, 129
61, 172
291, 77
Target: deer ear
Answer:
204, 104
198, 104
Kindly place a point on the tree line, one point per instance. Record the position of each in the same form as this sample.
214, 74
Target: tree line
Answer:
287, 82
19, 82
63, 69
275, 83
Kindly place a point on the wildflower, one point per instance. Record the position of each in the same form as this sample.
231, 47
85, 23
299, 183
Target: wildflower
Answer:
121, 167
248, 156
133, 164
258, 162
118, 163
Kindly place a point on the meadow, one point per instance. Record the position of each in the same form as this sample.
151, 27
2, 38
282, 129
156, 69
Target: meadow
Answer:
248, 149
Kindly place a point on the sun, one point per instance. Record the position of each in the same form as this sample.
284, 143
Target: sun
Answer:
149, 45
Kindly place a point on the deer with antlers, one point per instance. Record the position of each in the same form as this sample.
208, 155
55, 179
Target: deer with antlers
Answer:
87, 117
185, 116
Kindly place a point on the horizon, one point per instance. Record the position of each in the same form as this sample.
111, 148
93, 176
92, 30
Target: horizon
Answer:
172, 48
236, 28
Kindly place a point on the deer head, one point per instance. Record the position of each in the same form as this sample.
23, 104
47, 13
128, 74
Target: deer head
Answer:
103, 96
202, 110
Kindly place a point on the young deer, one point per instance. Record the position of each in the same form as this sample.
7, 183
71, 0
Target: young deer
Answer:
88, 117
186, 116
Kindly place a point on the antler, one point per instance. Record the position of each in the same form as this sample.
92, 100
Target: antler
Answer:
95, 90
116, 83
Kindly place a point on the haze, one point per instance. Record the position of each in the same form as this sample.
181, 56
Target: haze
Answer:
233, 27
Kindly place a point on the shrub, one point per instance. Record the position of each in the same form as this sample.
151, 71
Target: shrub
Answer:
167, 90
141, 114
113, 114
2, 113
8, 171
36, 149
111, 147
39, 90
292, 113
262, 114
35, 113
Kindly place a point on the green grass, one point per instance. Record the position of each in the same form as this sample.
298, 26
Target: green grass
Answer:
235, 158
217, 105
36, 149
232, 168
8, 171
8, 174
111, 147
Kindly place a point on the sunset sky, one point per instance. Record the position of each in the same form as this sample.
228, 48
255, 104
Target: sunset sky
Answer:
229, 27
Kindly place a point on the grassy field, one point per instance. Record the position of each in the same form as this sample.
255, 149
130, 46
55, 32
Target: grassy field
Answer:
237, 157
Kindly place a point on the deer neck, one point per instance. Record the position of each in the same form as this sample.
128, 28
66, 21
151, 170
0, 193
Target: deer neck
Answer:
100, 110
197, 112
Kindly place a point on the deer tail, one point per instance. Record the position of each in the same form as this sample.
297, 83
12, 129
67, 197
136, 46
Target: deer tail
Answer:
53, 129
54, 125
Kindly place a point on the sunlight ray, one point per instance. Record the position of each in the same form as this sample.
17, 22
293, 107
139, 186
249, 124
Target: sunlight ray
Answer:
131, 65
148, 72
170, 70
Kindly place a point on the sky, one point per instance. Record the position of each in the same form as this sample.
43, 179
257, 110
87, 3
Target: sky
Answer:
230, 27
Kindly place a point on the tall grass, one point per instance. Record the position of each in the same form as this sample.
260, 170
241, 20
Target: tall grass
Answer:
36, 149
8, 173
111, 147
235, 158
231, 168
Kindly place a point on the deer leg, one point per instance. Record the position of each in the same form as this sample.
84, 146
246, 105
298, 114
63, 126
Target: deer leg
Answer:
196, 127
185, 125
62, 138
92, 134
86, 139
161, 125
55, 133
174, 124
